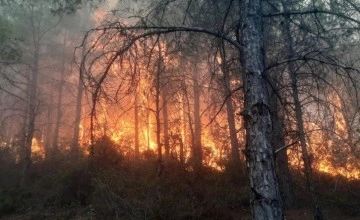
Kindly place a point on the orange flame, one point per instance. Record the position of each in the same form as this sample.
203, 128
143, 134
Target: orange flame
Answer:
324, 147
317, 142
37, 150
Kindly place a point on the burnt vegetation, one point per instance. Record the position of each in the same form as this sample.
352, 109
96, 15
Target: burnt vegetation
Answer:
126, 189
179, 109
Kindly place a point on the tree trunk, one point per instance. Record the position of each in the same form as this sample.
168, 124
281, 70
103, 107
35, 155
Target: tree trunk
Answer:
59, 103
158, 127
166, 126
282, 161
300, 124
182, 156
235, 155
148, 128
49, 126
157, 112
350, 140
197, 151
75, 146
185, 115
80, 89
58, 113
284, 174
32, 108
265, 196
75, 142
305, 154
136, 117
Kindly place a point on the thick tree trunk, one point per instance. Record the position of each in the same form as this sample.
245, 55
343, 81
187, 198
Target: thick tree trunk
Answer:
265, 196
300, 124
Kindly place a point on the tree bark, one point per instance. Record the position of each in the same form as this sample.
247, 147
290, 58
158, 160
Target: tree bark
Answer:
185, 119
49, 128
158, 123
80, 89
157, 112
166, 125
148, 129
136, 117
32, 109
182, 156
265, 196
196, 148
59, 103
282, 160
235, 155
184, 107
299, 121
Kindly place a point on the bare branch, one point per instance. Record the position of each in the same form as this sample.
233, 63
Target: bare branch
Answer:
285, 147
314, 11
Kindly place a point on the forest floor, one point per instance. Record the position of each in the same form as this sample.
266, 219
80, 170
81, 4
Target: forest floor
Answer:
64, 188
139, 194
300, 214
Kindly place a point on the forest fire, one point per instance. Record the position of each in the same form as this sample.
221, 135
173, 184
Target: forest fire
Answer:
37, 150
349, 172
330, 148
151, 81
120, 126
148, 109
322, 161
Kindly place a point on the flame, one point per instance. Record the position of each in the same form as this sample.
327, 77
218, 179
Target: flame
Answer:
215, 152
147, 138
325, 148
37, 150
347, 171
319, 145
